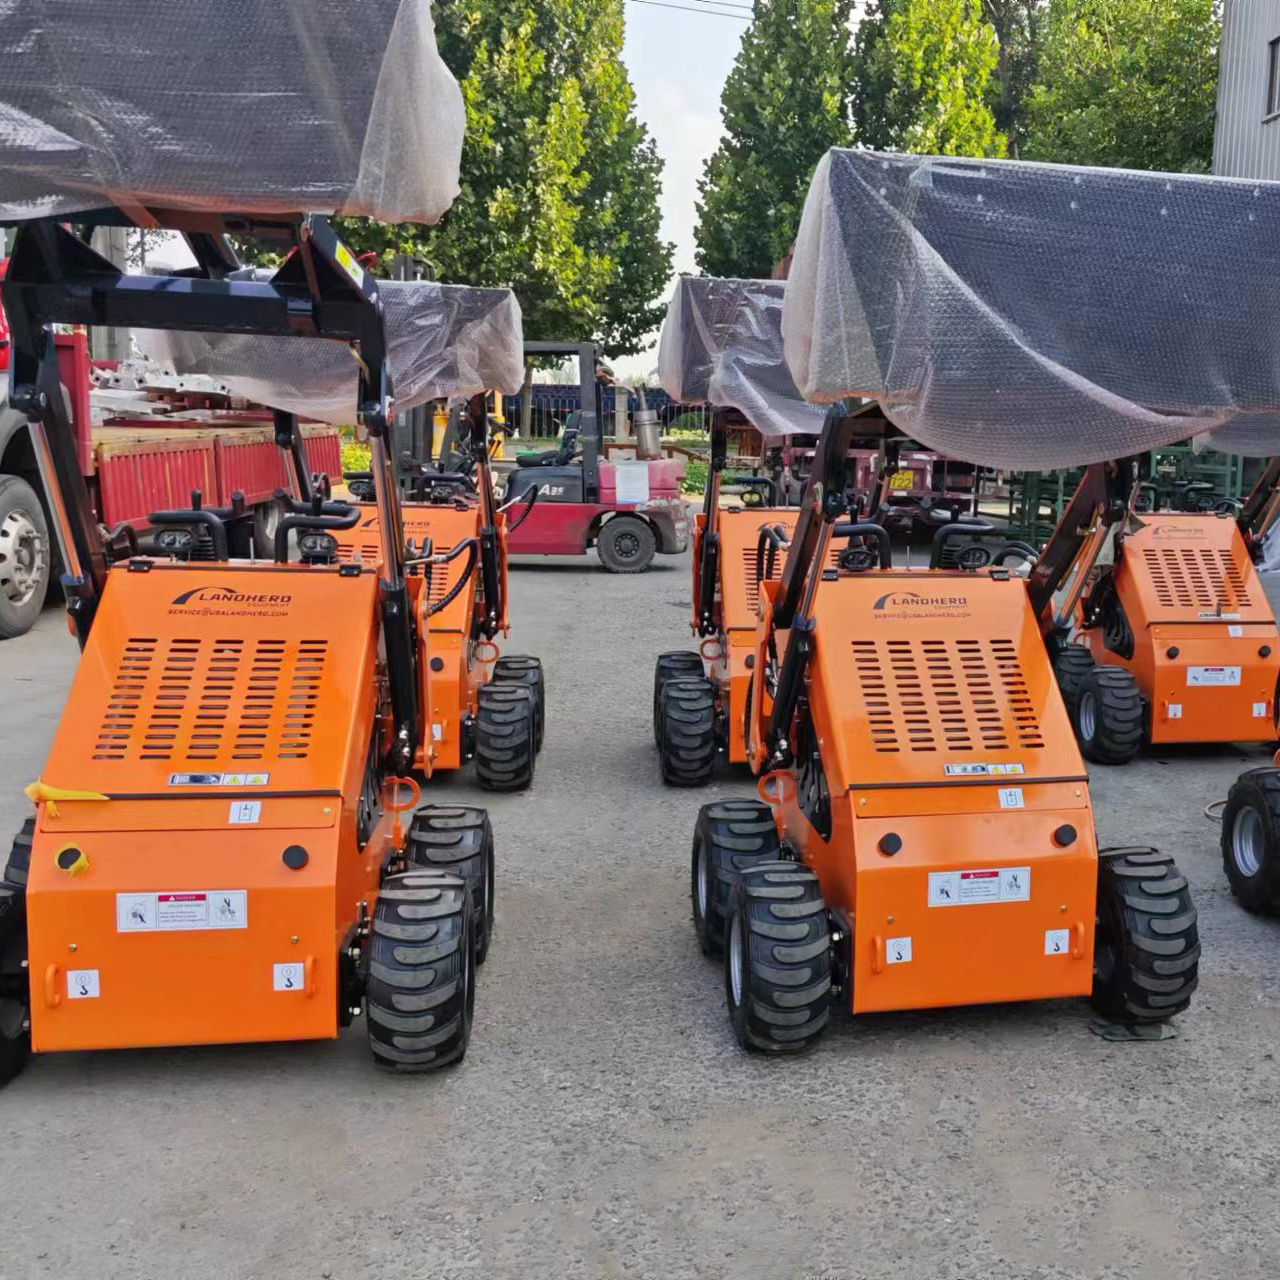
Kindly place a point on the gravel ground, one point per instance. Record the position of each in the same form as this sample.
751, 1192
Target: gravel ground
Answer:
605, 1125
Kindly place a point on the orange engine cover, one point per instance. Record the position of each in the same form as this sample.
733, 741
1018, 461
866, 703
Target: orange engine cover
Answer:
961, 849
220, 715
1206, 654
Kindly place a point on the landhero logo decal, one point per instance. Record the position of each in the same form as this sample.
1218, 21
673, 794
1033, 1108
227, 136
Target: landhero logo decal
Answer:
227, 601
915, 604
1177, 531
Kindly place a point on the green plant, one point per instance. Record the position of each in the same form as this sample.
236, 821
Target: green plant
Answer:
695, 477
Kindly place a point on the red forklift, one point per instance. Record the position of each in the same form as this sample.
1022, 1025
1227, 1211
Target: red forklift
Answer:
628, 511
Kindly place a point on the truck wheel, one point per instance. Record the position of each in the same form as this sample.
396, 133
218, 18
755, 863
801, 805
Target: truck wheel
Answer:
422, 972
521, 670
777, 978
1251, 840
1108, 716
24, 557
1146, 954
681, 664
731, 836
458, 841
505, 753
626, 544
1073, 663
15, 989
687, 752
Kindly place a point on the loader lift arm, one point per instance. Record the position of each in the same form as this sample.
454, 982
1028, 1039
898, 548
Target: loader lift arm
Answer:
1101, 501
708, 566
319, 291
822, 504
1258, 514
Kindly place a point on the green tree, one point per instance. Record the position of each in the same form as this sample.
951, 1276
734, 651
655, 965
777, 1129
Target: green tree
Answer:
1131, 83
1017, 25
926, 79
786, 102
560, 182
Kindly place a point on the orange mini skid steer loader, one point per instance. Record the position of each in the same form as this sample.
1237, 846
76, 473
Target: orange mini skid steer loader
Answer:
479, 705
1175, 640
219, 852
700, 699
928, 837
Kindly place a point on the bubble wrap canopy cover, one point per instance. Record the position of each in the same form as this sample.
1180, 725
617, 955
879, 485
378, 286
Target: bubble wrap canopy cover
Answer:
722, 342
443, 341
1037, 316
250, 106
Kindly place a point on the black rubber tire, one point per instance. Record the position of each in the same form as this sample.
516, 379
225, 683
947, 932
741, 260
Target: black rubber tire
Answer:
1146, 954
15, 988
1073, 663
519, 669
18, 498
626, 544
1112, 733
777, 930
1251, 840
421, 985
458, 841
730, 837
19, 863
505, 753
680, 665
687, 751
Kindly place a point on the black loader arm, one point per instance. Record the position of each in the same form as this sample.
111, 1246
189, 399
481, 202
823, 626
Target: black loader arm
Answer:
1101, 500
1258, 515
709, 550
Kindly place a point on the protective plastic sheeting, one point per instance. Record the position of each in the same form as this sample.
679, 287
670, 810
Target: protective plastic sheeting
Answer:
1038, 316
722, 343
443, 341
252, 106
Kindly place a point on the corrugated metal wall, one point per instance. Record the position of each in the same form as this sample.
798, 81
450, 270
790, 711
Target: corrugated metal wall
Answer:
1247, 142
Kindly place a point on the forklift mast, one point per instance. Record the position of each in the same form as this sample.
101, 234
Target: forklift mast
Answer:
320, 291
592, 430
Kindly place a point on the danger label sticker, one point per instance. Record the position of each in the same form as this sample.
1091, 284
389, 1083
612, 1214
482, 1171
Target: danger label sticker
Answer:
1207, 677
968, 888
182, 912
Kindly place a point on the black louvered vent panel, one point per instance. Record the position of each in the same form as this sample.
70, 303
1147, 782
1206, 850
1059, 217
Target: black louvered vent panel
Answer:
945, 695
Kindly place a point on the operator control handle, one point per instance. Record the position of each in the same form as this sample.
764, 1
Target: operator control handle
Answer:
333, 515
869, 529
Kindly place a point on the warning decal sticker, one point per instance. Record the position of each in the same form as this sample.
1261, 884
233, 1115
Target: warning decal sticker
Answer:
182, 912
1205, 677
966, 888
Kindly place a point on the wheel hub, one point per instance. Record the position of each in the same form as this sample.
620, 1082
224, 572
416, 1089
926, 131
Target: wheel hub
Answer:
703, 888
1248, 841
1088, 715
22, 557
627, 545
736, 959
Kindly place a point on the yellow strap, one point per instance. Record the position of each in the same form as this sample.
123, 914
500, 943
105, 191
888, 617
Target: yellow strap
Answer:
41, 793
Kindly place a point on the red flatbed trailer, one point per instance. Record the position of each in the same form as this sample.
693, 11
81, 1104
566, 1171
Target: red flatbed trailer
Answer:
133, 466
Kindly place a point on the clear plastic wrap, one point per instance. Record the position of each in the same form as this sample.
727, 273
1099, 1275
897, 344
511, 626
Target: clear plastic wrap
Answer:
251, 106
443, 341
722, 343
1038, 316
